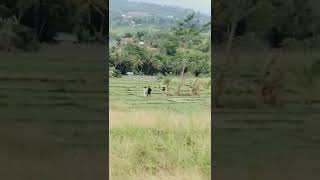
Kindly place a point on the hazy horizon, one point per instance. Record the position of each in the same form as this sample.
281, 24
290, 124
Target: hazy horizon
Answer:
204, 6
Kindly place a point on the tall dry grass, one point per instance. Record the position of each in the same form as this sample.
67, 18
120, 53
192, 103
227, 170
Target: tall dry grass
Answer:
159, 145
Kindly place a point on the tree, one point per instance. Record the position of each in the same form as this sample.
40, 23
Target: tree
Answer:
8, 33
186, 32
91, 15
140, 35
270, 82
140, 58
232, 12
128, 35
195, 88
167, 83
198, 62
44, 18
44, 15
100, 8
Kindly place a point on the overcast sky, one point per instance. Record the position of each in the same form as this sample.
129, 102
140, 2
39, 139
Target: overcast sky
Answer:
203, 6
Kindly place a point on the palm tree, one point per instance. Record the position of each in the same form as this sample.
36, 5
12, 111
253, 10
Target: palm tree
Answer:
136, 63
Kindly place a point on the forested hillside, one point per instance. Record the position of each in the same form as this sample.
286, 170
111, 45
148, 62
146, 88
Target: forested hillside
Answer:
132, 15
181, 49
25, 23
275, 22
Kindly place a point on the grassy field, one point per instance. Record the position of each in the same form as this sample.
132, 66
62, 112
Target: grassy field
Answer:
266, 142
162, 137
248, 64
52, 113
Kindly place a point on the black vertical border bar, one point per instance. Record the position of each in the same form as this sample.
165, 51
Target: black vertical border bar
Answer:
212, 92
106, 90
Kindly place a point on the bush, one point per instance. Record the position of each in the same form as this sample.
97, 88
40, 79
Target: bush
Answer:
115, 73
139, 73
15, 36
207, 84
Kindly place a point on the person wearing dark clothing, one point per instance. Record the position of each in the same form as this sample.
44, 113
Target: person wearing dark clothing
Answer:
163, 90
149, 91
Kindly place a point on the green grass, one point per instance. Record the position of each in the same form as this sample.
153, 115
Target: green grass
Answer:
162, 137
248, 63
53, 113
129, 90
268, 142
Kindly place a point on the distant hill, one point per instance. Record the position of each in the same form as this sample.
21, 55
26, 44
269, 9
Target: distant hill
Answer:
139, 15
151, 9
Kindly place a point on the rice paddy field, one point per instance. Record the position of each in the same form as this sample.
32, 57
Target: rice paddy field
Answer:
263, 143
53, 119
162, 137
266, 144
53, 114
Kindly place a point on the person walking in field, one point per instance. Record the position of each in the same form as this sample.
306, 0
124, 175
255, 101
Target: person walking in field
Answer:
145, 91
149, 91
163, 91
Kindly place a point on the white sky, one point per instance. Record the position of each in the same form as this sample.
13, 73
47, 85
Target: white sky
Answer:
203, 6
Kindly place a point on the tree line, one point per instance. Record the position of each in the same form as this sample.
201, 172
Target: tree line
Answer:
280, 35
24, 23
183, 49
273, 21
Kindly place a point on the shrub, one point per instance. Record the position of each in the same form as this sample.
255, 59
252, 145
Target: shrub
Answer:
115, 73
15, 36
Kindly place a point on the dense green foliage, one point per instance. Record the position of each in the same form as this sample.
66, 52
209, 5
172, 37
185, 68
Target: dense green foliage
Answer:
258, 43
182, 49
273, 21
31, 21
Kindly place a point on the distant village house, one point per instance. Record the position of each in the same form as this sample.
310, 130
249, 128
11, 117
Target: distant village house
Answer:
127, 41
136, 14
66, 38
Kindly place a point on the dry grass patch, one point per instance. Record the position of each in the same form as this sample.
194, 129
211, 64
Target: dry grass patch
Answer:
172, 175
159, 145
